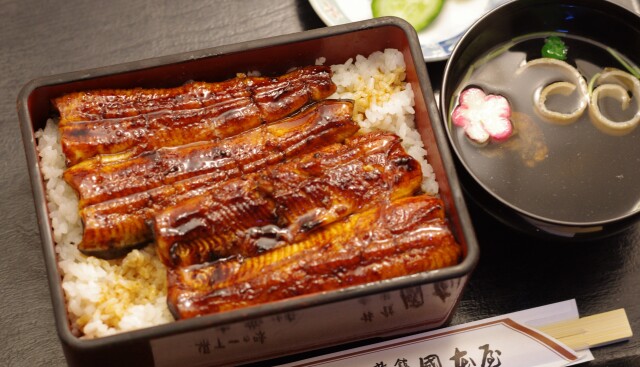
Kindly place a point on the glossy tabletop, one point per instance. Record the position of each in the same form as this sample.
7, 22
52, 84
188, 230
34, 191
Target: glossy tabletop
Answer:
41, 38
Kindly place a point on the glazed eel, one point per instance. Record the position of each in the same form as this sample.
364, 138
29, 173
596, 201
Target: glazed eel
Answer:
284, 202
118, 223
406, 236
112, 176
115, 120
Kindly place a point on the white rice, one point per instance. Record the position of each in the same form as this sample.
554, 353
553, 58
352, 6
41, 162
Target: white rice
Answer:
105, 297
384, 101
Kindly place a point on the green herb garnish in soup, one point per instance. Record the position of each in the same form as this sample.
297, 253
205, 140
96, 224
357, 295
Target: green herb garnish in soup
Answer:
554, 48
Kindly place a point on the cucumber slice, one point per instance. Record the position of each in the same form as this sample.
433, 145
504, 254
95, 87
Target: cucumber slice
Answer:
419, 13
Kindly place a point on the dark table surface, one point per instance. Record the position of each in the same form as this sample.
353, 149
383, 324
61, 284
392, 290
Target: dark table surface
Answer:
40, 38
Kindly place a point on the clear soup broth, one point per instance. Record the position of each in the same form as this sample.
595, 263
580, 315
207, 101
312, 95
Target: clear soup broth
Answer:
574, 173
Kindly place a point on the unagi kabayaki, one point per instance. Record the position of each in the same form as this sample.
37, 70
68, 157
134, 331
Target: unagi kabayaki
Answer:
112, 227
105, 178
283, 203
404, 237
113, 120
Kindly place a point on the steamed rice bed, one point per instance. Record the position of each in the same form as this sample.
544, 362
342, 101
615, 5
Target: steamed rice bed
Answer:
105, 297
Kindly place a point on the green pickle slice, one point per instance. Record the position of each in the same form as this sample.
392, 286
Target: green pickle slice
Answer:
419, 13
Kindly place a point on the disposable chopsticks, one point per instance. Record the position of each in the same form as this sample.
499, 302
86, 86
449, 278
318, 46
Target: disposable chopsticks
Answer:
591, 331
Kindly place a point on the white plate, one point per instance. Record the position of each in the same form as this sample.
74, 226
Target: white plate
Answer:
437, 40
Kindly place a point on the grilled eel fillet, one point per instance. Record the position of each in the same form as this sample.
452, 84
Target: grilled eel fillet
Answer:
115, 226
407, 236
108, 177
283, 203
111, 121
